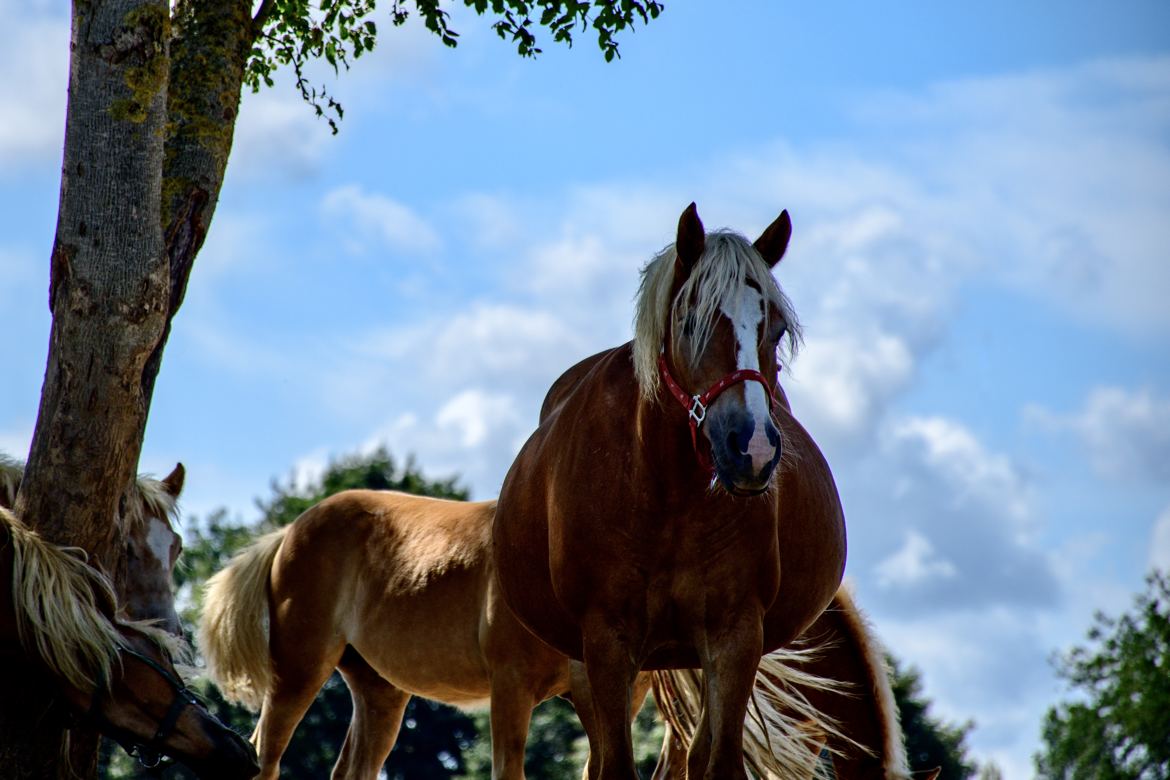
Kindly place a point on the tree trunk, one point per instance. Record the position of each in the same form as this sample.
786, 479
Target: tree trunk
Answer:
148, 133
211, 42
108, 293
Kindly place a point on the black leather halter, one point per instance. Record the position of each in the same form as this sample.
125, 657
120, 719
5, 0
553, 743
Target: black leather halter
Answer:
149, 753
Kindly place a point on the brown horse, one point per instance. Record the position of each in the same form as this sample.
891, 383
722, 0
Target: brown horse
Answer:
57, 619
146, 511
398, 592
668, 512
862, 737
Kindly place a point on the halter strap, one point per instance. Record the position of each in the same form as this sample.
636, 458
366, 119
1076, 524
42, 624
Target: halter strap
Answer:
696, 405
149, 754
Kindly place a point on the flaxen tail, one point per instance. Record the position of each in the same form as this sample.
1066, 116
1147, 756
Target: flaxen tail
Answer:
783, 735
233, 632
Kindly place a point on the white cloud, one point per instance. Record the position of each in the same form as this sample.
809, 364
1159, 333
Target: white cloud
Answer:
277, 136
1066, 200
841, 384
473, 414
37, 48
366, 218
938, 523
915, 563
971, 473
501, 342
1126, 432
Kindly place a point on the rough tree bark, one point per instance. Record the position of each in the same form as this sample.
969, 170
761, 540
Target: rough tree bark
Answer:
143, 167
107, 295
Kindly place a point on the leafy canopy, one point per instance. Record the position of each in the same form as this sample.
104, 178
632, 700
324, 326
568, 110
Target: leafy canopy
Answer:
929, 741
1119, 729
293, 32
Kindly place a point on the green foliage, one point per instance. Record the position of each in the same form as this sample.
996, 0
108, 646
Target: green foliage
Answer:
1120, 729
930, 743
296, 32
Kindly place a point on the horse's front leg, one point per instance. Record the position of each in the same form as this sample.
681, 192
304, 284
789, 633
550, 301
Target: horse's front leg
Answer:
511, 714
583, 704
610, 670
730, 657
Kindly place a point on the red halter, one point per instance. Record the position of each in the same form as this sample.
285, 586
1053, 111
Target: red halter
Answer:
696, 405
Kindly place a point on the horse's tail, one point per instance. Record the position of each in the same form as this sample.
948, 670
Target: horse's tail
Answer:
893, 753
233, 632
783, 735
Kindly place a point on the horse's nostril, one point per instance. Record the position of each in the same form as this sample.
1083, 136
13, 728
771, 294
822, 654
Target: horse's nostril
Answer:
738, 440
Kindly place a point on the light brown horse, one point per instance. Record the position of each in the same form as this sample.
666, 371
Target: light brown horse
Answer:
666, 512
397, 592
862, 737
57, 621
147, 512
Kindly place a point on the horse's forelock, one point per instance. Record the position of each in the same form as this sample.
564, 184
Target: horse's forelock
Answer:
149, 497
728, 263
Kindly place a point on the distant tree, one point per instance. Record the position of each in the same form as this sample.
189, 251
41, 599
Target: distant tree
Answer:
1119, 728
990, 771
930, 743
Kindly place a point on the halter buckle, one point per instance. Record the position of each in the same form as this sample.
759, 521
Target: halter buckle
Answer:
698, 417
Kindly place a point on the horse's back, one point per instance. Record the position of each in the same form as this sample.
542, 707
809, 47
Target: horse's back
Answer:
410, 537
402, 579
567, 382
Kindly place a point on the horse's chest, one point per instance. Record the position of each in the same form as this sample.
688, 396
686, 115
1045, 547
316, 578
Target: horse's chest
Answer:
662, 571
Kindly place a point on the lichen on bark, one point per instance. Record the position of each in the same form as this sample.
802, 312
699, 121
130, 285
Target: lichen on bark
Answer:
141, 42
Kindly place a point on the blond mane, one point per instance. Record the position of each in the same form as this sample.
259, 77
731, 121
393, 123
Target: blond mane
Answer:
62, 607
148, 497
729, 262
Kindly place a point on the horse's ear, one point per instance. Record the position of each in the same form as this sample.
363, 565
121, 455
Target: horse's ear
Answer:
773, 242
173, 483
689, 245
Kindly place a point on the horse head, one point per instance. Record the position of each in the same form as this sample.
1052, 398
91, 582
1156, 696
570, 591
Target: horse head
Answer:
147, 708
726, 322
152, 549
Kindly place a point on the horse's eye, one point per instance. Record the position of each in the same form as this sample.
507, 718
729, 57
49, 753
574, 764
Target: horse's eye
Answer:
689, 325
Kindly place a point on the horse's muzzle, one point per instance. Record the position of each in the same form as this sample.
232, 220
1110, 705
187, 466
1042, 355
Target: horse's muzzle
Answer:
744, 454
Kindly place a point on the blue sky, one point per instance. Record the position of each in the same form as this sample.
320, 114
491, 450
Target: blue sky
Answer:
981, 200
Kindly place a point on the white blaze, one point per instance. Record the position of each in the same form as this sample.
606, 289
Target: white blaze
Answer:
159, 540
746, 315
